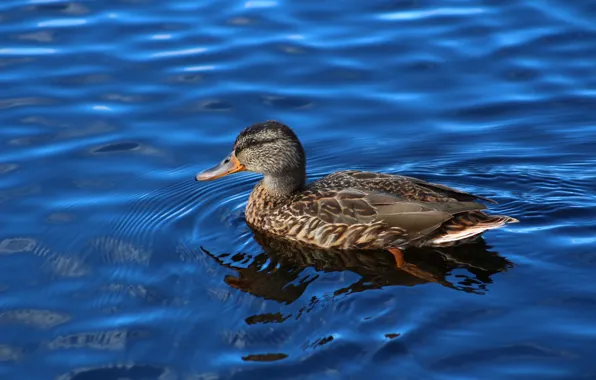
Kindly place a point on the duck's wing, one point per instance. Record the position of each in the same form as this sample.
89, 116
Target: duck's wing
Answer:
448, 191
361, 207
407, 187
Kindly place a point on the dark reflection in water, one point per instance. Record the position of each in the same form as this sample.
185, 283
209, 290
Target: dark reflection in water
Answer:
277, 273
264, 357
128, 372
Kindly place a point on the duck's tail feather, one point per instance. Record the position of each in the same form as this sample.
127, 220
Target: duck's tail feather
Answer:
468, 226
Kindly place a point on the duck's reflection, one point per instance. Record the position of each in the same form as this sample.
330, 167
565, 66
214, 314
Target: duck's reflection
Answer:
277, 273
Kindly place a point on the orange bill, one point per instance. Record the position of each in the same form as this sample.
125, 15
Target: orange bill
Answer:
228, 166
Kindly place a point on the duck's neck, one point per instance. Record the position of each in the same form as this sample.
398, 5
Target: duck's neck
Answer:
269, 194
284, 185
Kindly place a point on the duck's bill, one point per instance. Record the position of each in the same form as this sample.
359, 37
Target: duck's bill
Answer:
229, 165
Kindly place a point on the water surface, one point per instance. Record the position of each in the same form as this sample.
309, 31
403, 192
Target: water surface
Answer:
115, 264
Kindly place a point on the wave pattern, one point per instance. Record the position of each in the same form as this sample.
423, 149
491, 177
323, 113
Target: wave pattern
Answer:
115, 264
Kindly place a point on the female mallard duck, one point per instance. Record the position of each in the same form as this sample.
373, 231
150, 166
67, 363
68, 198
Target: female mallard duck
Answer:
348, 209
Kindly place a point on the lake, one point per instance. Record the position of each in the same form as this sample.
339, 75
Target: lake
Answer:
116, 264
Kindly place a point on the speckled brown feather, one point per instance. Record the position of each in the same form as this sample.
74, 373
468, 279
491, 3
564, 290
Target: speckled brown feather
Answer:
366, 210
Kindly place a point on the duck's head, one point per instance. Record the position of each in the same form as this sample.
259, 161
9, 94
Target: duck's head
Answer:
270, 148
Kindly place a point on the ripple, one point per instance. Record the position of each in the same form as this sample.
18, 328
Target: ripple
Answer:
62, 7
432, 13
176, 202
113, 340
41, 36
17, 245
42, 319
490, 355
9, 353
214, 105
286, 102
179, 52
119, 371
260, 4
117, 147
58, 23
7, 168
28, 51
20, 102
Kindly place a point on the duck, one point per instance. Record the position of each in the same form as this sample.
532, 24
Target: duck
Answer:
349, 209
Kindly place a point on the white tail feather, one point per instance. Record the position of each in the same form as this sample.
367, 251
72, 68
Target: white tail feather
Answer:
465, 234
472, 231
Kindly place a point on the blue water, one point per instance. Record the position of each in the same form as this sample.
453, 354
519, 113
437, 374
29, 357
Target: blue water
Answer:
116, 264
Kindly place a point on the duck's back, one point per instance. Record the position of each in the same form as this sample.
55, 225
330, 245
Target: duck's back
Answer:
408, 188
